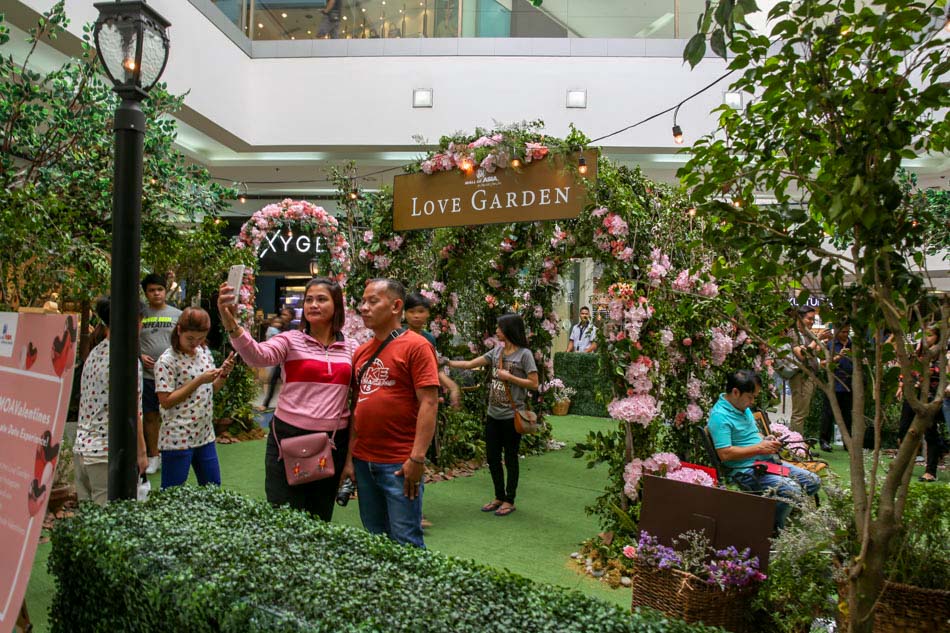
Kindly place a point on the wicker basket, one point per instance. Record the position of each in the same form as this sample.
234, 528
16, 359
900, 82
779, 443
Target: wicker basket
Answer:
681, 595
907, 609
561, 407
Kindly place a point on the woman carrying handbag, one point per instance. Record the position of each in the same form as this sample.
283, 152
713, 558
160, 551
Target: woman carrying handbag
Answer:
317, 365
514, 372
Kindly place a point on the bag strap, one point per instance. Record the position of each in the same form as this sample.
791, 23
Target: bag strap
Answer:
379, 350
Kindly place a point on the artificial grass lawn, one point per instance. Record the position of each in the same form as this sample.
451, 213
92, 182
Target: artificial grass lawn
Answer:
535, 541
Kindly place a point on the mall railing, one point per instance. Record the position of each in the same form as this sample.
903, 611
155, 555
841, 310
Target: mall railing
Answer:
358, 19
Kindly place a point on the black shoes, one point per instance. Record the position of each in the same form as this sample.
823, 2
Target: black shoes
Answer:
825, 446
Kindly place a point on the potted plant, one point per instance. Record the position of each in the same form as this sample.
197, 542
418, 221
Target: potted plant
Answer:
695, 583
559, 395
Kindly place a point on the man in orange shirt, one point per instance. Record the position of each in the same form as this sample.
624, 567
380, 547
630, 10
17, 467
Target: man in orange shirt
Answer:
397, 390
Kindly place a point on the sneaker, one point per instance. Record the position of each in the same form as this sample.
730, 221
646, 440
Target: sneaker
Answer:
154, 465
426, 523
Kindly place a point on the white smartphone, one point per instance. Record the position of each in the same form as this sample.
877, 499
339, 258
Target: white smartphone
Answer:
235, 277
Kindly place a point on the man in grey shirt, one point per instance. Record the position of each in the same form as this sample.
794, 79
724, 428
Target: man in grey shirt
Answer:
155, 337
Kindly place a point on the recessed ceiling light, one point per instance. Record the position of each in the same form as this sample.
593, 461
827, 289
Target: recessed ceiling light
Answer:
292, 37
309, 32
283, 15
259, 25
364, 9
344, 17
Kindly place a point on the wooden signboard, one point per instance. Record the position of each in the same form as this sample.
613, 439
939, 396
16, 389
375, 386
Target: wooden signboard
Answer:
547, 189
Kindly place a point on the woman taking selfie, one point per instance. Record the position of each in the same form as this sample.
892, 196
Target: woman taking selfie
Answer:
316, 363
514, 372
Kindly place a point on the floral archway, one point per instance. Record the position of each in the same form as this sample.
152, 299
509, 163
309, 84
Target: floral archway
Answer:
291, 215
667, 340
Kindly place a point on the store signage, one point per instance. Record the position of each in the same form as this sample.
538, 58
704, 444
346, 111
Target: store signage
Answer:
35, 383
282, 252
543, 190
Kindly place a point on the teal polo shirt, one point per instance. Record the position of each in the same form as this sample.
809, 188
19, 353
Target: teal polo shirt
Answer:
731, 427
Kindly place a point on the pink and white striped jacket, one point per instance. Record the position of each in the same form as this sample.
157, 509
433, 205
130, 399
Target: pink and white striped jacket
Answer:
315, 395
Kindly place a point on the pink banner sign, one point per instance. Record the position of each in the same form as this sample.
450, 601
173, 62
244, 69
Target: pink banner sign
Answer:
37, 355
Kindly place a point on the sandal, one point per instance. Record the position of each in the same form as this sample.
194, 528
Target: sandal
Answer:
926, 477
491, 507
503, 512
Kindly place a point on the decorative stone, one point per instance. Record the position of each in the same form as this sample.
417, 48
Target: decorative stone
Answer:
597, 573
625, 581
575, 554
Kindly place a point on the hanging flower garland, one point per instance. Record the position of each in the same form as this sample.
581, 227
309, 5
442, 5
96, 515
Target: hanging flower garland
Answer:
308, 219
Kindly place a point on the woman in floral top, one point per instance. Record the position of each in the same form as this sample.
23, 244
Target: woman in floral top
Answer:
185, 382
91, 449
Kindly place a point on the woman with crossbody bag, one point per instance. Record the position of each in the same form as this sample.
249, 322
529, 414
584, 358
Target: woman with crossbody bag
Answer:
514, 372
316, 361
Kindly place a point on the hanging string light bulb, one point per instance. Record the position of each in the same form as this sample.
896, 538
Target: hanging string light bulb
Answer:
582, 165
677, 130
242, 197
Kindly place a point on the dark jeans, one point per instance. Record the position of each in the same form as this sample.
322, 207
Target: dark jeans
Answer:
500, 435
316, 497
932, 435
272, 387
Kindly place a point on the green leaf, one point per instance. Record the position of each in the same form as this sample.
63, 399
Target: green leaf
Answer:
717, 42
695, 49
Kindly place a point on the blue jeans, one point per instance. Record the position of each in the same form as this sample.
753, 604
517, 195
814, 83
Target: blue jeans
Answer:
176, 464
792, 489
384, 508
946, 415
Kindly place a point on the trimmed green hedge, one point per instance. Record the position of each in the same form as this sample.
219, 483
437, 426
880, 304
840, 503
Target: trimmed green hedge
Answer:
206, 559
584, 373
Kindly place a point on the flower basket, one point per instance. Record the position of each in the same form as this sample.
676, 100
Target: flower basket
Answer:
561, 407
906, 609
682, 595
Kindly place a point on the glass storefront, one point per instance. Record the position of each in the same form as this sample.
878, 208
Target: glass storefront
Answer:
368, 19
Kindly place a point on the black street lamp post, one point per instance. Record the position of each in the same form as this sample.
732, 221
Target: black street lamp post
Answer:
132, 45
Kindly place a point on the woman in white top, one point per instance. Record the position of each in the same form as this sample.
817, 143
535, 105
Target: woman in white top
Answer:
185, 382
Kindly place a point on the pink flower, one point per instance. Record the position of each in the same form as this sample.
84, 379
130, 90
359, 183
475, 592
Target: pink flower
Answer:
687, 341
709, 289
368, 236
639, 408
720, 346
662, 463
691, 476
538, 312
694, 388
599, 212
694, 412
438, 286
683, 281
494, 283
625, 255
666, 337
382, 262
491, 301
630, 551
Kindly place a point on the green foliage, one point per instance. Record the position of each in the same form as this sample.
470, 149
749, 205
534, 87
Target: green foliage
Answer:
919, 556
234, 398
56, 171
719, 24
182, 561
584, 373
460, 437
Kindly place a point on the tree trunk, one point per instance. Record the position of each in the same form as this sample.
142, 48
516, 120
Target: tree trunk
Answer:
84, 337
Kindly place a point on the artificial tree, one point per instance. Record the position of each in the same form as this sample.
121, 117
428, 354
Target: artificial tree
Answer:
837, 95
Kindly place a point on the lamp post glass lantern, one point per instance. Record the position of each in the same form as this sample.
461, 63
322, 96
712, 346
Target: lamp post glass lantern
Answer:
314, 267
132, 44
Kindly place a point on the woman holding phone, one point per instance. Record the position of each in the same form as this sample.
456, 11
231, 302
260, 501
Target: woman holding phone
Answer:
514, 372
316, 362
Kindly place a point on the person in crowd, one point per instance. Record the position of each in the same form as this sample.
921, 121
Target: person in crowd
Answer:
397, 386
805, 350
840, 347
155, 337
186, 380
935, 445
739, 445
330, 25
91, 448
317, 364
583, 335
514, 372
278, 324
417, 310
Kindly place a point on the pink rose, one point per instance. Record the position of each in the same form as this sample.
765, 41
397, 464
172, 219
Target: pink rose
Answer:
687, 341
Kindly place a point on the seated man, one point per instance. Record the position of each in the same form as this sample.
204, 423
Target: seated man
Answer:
739, 444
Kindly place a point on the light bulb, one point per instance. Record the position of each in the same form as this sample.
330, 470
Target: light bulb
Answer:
691, 212
582, 166
465, 164
260, 25
515, 163
677, 135
129, 64
242, 199
354, 194
283, 15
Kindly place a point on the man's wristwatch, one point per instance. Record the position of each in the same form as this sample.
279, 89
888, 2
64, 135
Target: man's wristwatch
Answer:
417, 461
